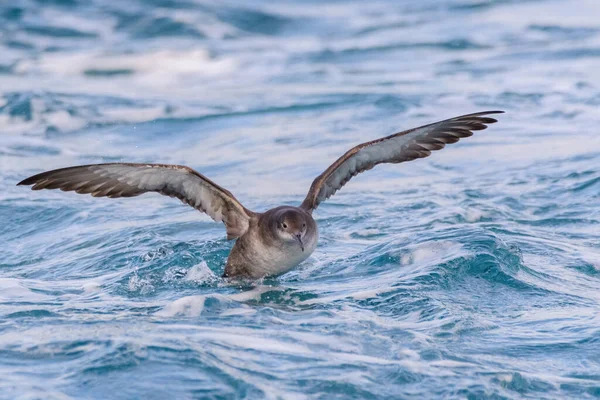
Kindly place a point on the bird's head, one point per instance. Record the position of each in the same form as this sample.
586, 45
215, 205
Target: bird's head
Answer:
291, 226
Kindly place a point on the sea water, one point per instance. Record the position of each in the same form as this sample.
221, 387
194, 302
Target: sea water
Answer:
474, 273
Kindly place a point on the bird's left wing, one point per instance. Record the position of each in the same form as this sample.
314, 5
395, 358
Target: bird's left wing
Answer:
399, 147
129, 180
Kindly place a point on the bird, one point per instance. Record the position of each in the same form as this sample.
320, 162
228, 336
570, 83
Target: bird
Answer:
268, 243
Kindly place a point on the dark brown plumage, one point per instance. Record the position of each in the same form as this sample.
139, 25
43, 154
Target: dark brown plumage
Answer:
128, 180
410, 145
273, 242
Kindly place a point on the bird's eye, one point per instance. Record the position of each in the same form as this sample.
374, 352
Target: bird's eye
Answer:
284, 225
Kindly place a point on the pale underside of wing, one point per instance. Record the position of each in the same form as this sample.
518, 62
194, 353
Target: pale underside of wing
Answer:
399, 147
129, 180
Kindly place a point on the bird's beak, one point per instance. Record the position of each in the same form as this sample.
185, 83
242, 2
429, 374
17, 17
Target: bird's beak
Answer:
298, 237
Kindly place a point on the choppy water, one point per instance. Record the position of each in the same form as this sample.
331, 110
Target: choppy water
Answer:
472, 274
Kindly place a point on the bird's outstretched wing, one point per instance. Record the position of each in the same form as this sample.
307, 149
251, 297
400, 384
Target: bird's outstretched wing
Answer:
399, 147
128, 180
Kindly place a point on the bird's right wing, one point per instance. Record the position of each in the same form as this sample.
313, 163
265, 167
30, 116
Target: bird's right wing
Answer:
128, 180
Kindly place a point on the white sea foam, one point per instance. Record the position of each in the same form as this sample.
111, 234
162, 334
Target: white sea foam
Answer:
200, 273
160, 64
474, 215
15, 290
190, 306
429, 251
92, 287
294, 87
142, 285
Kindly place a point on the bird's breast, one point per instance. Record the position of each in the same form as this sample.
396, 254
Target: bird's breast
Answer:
270, 259
278, 260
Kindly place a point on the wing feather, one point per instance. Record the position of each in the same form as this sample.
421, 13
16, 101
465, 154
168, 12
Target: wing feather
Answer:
399, 147
128, 180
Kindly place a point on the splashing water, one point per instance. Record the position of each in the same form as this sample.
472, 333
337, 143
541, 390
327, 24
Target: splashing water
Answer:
471, 274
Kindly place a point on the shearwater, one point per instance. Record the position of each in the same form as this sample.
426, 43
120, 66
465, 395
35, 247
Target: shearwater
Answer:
275, 241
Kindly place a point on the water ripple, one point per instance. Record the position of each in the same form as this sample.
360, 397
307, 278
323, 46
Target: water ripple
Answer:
471, 274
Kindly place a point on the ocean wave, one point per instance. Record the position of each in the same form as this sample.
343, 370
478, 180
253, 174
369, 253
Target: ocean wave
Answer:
470, 274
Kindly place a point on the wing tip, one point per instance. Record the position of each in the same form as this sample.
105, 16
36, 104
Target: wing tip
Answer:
482, 113
480, 117
27, 181
34, 179
491, 120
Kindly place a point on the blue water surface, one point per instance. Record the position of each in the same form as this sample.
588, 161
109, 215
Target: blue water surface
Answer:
474, 273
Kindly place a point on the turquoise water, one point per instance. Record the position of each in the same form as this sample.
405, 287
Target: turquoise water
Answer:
474, 273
